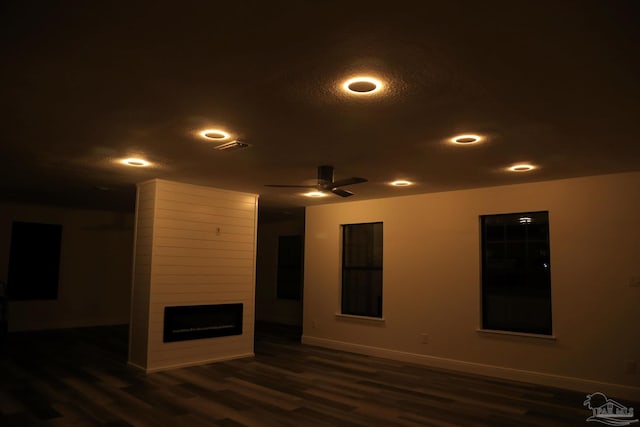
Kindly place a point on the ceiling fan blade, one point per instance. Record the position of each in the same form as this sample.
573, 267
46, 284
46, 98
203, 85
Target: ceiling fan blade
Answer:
348, 181
342, 193
325, 182
290, 186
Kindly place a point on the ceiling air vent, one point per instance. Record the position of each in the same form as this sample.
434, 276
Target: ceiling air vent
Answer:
232, 146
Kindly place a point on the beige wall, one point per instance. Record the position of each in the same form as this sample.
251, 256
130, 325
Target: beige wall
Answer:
432, 282
268, 307
95, 268
194, 246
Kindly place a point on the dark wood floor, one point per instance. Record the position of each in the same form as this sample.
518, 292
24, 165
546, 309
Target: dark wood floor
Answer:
79, 377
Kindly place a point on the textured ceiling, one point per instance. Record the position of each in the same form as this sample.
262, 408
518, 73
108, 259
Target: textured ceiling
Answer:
85, 83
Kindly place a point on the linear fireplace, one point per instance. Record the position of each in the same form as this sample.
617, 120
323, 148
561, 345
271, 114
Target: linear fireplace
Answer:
192, 322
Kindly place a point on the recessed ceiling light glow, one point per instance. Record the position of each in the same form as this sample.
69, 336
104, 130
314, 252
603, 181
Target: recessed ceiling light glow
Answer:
401, 183
521, 168
135, 162
215, 134
315, 194
466, 139
362, 85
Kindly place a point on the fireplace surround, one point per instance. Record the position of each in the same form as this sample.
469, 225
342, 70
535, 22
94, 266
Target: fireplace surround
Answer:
192, 322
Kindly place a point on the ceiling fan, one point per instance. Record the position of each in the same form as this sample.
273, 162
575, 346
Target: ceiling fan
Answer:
326, 182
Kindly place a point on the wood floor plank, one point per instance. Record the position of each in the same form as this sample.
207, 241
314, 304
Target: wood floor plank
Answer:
80, 377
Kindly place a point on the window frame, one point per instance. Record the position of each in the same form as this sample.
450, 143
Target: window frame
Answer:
544, 326
371, 313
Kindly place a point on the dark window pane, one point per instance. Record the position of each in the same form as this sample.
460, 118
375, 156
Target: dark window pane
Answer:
516, 273
362, 293
515, 231
494, 233
34, 261
362, 269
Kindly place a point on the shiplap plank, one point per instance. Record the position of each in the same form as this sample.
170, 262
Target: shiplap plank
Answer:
142, 271
200, 345
204, 218
166, 187
143, 250
195, 296
203, 227
178, 242
143, 259
171, 280
184, 351
144, 234
198, 270
140, 294
145, 198
204, 261
169, 251
178, 355
184, 201
171, 207
206, 235
146, 208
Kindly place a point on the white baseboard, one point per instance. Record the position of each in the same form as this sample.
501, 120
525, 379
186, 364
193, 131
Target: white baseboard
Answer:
135, 365
572, 383
192, 363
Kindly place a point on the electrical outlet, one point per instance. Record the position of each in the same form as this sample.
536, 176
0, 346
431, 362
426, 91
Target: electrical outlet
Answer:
425, 338
314, 324
631, 367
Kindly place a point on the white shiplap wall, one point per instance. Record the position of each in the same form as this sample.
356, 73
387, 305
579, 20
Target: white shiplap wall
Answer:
202, 251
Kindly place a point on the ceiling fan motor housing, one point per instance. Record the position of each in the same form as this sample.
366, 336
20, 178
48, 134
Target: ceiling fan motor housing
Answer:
325, 175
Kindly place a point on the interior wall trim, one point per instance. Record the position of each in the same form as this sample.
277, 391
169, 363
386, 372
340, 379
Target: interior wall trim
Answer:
579, 384
191, 363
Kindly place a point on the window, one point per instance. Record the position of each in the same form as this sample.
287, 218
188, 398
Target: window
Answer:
516, 273
362, 269
289, 267
34, 261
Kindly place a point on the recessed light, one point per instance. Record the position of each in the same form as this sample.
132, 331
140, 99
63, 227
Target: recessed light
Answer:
135, 162
401, 183
362, 85
215, 134
315, 194
466, 139
521, 168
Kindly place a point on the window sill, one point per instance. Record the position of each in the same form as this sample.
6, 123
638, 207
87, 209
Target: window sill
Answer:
364, 318
517, 334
